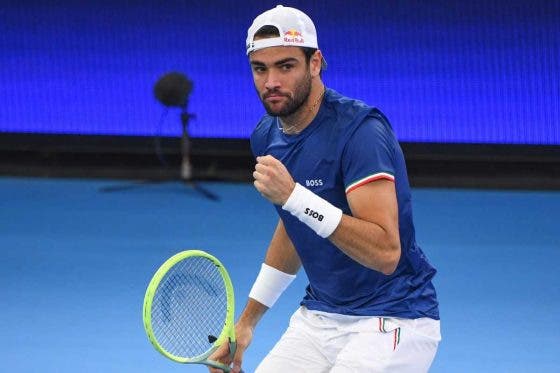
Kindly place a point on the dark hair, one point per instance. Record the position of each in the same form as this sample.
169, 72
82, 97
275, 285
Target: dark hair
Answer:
308, 52
269, 31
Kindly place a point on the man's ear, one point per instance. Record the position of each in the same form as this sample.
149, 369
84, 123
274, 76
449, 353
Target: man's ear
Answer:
316, 62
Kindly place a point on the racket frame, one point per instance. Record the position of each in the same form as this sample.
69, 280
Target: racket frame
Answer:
228, 331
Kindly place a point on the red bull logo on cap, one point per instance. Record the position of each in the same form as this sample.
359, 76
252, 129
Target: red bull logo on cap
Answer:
293, 36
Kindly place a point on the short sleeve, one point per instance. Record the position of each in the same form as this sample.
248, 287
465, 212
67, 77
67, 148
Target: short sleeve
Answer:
369, 154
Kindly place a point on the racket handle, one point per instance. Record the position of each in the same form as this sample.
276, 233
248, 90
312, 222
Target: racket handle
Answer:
232, 348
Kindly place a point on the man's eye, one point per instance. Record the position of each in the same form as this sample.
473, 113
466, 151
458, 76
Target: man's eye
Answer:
287, 67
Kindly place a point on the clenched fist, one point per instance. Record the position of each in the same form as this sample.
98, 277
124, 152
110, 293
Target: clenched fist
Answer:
273, 180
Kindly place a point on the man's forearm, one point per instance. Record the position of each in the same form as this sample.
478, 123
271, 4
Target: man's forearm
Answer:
252, 314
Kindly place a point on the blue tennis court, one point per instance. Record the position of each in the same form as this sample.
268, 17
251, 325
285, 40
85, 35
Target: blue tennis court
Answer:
76, 260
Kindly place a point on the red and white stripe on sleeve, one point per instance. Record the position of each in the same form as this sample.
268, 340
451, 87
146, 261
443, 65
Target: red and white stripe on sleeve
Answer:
368, 179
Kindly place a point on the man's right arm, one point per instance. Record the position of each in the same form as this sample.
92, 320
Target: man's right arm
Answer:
281, 255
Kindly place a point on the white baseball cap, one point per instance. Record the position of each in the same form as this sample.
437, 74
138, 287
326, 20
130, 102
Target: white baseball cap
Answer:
295, 27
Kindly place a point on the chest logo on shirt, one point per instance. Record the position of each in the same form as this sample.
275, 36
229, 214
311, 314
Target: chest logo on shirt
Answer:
314, 183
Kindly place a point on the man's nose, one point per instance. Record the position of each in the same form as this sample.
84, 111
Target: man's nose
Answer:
272, 82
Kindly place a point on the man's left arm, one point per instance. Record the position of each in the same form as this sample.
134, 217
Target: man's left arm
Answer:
371, 235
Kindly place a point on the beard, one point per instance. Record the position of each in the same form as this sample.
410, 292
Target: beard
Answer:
294, 102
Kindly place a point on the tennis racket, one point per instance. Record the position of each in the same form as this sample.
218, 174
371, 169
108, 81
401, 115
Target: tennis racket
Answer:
189, 309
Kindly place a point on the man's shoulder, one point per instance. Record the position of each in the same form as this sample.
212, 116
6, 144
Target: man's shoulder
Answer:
351, 111
344, 104
263, 126
260, 133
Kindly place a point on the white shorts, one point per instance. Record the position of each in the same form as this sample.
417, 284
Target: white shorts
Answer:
318, 342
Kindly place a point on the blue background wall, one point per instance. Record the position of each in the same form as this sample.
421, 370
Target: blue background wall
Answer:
443, 71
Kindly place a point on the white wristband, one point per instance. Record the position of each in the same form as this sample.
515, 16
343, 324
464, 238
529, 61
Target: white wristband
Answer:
317, 213
269, 285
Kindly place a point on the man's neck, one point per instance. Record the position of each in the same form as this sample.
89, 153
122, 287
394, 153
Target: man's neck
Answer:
298, 121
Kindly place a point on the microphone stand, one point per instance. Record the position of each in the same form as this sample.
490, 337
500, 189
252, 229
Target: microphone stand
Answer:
186, 175
186, 166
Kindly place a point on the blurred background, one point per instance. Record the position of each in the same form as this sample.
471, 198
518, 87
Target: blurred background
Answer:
105, 106
472, 89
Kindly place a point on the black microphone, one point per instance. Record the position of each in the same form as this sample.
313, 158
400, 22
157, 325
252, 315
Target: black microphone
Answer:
173, 89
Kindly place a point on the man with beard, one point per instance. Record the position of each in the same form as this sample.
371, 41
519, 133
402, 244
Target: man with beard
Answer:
336, 174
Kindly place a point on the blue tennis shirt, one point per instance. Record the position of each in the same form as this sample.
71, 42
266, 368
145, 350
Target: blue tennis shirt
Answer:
347, 145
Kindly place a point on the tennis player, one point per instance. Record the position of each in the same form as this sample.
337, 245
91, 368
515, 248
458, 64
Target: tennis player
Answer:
335, 172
